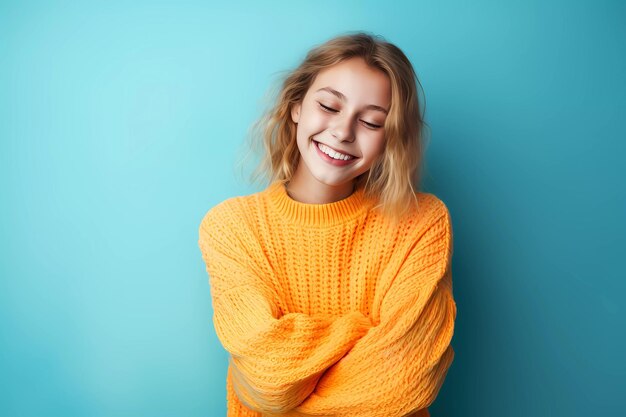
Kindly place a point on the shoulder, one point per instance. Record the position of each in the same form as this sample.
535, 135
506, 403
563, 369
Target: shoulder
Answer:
222, 212
232, 215
426, 222
429, 209
428, 216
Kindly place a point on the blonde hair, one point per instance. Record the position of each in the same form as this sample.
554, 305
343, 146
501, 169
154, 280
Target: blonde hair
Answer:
395, 176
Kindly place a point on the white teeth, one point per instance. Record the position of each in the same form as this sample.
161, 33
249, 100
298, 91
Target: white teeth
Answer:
335, 155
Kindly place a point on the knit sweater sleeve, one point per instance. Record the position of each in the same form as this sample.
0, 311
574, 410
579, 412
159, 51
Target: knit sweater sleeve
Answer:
398, 368
276, 359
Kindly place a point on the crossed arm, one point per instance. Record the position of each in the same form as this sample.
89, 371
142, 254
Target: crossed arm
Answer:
276, 360
299, 365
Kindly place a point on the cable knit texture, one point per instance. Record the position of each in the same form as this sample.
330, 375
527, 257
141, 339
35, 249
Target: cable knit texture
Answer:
328, 310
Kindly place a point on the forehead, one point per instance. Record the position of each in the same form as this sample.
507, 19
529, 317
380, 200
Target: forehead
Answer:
359, 82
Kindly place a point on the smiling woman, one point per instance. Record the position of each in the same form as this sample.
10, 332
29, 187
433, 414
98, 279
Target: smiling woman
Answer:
332, 287
346, 122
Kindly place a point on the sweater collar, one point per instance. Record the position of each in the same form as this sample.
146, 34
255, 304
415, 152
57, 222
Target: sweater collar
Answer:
316, 214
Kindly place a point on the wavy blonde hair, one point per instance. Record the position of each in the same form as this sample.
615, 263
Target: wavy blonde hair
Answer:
395, 176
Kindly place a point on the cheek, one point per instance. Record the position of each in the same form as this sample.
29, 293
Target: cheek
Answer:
314, 118
376, 146
311, 126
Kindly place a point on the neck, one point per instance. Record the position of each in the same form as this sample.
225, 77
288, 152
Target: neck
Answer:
307, 189
320, 193
291, 210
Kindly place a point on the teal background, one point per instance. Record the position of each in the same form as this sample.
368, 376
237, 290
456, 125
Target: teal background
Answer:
120, 124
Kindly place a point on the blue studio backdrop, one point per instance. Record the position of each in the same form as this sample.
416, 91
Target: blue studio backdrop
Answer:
120, 126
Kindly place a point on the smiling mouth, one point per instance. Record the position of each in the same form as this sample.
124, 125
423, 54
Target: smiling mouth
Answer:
339, 152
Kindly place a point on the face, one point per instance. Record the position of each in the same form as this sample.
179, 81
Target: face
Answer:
342, 114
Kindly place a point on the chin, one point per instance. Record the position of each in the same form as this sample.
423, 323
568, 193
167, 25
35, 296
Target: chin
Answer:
334, 182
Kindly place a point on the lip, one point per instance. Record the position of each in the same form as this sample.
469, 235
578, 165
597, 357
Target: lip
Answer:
332, 161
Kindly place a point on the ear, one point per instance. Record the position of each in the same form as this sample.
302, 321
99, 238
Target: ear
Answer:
295, 112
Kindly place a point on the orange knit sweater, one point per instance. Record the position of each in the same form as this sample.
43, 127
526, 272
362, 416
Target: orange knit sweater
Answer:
327, 310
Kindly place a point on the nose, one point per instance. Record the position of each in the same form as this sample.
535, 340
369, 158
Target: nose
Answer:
343, 129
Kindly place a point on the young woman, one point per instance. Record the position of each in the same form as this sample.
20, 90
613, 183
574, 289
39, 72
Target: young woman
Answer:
332, 287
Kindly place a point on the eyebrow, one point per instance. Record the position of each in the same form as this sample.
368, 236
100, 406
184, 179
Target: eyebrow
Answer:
342, 97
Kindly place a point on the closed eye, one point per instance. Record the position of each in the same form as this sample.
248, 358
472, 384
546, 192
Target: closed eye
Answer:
331, 110
328, 109
372, 125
